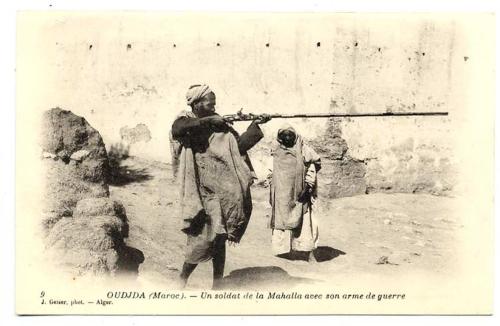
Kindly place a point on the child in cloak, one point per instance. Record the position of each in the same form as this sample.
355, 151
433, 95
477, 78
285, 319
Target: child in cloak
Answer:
293, 192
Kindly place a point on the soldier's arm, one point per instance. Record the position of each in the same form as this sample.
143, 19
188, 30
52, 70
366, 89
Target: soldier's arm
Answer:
189, 126
250, 137
185, 126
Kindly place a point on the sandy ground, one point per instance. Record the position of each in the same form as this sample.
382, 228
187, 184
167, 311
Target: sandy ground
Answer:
375, 234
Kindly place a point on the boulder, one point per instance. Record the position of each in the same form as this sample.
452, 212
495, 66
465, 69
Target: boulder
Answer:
63, 190
65, 134
89, 208
79, 155
85, 230
86, 245
75, 162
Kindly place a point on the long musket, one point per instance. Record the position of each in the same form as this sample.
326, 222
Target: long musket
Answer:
240, 116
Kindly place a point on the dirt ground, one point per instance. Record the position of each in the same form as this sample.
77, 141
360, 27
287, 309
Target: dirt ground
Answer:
375, 234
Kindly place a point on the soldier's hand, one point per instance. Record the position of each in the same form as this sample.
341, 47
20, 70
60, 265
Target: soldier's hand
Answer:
215, 121
310, 178
263, 118
231, 240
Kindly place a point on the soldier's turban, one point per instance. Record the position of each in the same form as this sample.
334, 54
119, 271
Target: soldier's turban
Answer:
196, 92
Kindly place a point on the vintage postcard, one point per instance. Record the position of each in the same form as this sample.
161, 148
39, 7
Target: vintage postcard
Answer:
252, 163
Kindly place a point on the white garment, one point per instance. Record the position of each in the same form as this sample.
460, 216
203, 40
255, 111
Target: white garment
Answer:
285, 241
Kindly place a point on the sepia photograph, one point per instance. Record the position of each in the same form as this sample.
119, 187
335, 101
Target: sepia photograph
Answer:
254, 163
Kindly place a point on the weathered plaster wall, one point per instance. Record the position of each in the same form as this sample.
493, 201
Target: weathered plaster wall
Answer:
125, 70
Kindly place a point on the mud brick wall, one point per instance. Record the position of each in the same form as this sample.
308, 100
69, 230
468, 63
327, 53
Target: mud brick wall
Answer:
128, 74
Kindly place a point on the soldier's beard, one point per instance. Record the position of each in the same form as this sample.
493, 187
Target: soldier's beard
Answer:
201, 113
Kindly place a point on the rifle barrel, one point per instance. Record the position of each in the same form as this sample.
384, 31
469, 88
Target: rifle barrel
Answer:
355, 115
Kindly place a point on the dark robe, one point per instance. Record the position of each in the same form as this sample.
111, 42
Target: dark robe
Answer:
226, 203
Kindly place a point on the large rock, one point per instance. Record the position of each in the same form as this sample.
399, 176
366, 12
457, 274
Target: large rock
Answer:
63, 189
85, 229
92, 240
75, 163
86, 245
71, 139
94, 207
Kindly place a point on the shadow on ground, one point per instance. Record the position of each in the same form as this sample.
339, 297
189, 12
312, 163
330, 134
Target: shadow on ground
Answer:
265, 277
123, 175
325, 253
320, 254
120, 174
129, 259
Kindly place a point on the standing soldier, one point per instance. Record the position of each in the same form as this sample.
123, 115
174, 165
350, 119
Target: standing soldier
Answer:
293, 190
215, 177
